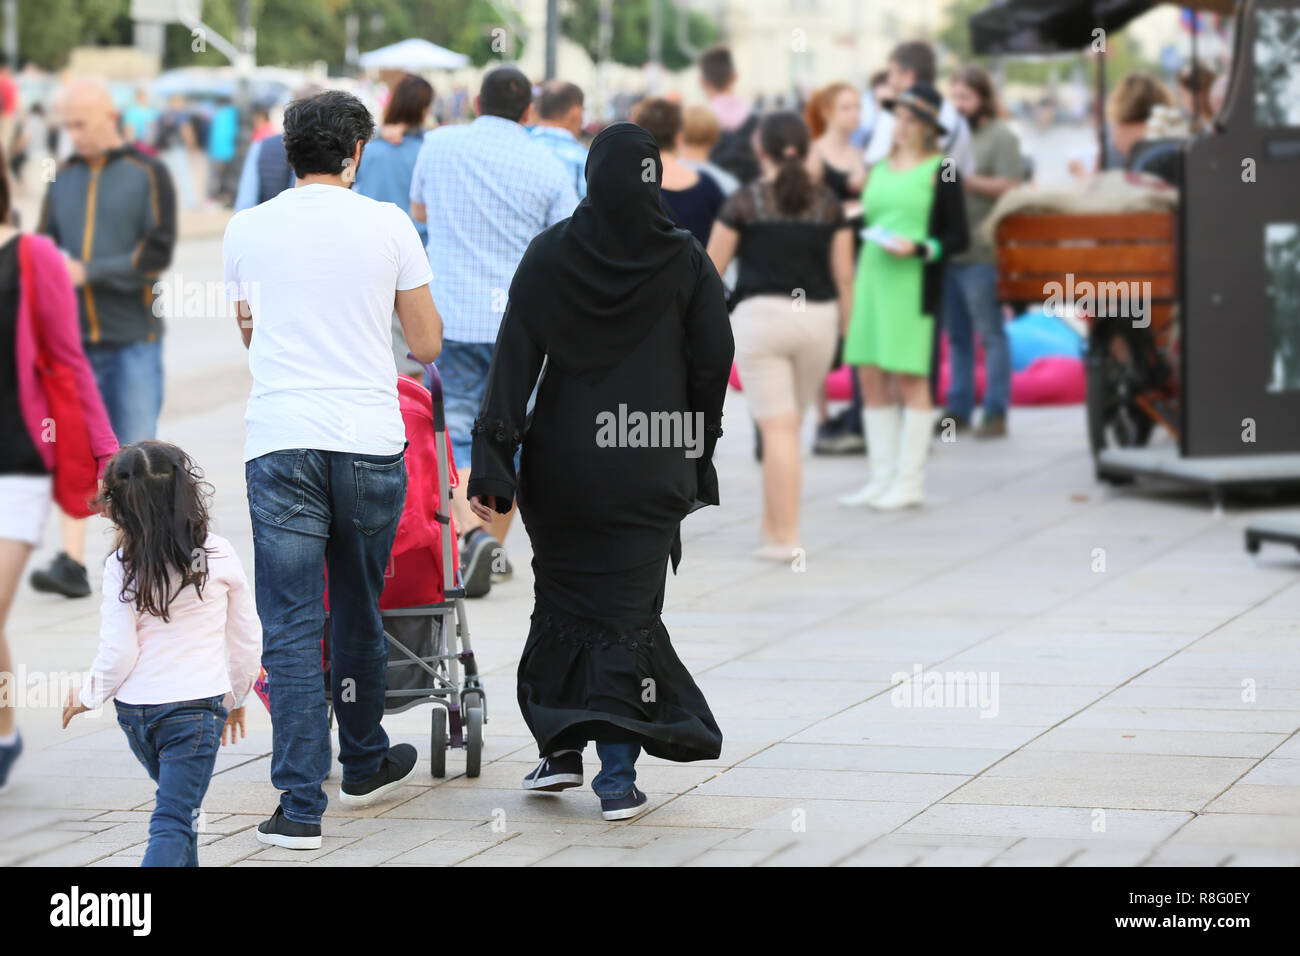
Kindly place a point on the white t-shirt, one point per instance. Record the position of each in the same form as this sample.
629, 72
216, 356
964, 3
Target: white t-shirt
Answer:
320, 267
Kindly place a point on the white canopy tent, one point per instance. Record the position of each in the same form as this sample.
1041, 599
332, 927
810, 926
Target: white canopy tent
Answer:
413, 55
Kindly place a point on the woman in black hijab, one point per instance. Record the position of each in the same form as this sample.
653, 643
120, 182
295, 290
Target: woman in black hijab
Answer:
628, 314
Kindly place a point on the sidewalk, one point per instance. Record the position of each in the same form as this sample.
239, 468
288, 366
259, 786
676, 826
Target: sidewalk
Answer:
1145, 673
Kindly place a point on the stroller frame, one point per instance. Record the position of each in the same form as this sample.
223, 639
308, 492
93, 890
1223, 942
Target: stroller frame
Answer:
459, 723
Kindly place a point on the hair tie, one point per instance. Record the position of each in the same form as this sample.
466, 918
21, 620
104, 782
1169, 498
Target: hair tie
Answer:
791, 150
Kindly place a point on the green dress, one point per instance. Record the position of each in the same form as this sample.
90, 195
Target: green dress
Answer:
888, 328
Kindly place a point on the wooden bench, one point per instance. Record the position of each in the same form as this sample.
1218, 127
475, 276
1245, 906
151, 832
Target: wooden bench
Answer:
1035, 250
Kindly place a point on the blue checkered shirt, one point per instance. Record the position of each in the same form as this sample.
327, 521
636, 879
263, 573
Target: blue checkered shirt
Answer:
568, 151
488, 188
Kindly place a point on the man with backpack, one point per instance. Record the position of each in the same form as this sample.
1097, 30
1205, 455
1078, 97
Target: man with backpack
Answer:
734, 151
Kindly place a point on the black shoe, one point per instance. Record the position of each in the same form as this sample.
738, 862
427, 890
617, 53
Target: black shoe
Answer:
559, 771
624, 808
476, 551
502, 569
9, 754
397, 768
281, 831
947, 420
64, 576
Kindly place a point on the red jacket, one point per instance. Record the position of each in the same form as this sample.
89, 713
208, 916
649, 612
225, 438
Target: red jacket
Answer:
52, 302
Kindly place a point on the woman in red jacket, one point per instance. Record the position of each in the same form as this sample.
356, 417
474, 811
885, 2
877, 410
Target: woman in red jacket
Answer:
38, 314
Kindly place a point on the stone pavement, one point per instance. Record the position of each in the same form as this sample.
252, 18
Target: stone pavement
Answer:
1138, 677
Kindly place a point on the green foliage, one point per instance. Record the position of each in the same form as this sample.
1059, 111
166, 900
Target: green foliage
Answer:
629, 42
48, 30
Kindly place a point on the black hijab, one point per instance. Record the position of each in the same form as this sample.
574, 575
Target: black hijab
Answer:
591, 287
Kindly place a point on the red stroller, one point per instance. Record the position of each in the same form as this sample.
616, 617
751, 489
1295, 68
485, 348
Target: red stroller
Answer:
423, 602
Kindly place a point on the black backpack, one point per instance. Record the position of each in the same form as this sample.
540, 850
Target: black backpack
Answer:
734, 151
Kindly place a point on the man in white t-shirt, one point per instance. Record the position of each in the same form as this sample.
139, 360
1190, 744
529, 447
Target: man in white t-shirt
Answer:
317, 272
911, 63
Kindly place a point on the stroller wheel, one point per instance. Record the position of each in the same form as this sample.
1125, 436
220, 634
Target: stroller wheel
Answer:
438, 742
473, 740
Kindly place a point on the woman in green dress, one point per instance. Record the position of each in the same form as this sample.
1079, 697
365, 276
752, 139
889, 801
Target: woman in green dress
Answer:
915, 218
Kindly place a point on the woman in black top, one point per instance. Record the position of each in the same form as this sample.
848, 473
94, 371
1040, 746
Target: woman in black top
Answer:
628, 314
794, 292
692, 197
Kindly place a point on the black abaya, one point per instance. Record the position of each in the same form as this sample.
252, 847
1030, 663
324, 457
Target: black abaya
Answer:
628, 313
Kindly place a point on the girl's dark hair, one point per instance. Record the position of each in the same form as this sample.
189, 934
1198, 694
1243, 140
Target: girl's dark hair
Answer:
157, 498
783, 137
410, 98
6, 207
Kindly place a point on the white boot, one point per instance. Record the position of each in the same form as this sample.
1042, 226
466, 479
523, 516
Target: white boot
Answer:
882, 426
908, 489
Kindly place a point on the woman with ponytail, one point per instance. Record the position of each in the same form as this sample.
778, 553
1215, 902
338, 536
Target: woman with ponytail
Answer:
793, 295
180, 643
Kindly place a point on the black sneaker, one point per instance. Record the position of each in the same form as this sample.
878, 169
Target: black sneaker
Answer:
9, 754
64, 576
476, 551
281, 831
947, 420
502, 569
624, 808
397, 768
559, 771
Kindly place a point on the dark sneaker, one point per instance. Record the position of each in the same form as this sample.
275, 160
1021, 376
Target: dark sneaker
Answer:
281, 831
994, 427
9, 754
64, 576
502, 569
559, 771
948, 420
623, 808
397, 768
476, 551
845, 443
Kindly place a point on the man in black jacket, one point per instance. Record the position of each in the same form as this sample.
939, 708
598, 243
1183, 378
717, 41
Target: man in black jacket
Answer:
112, 210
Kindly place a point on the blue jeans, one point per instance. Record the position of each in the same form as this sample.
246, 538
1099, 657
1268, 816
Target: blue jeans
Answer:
617, 769
464, 369
970, 303
177, 744
314, 510
130, 380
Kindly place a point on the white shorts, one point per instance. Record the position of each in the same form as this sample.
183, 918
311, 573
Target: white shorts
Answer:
24, 506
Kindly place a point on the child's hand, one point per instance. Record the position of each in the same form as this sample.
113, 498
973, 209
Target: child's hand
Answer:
234, 727
72, 707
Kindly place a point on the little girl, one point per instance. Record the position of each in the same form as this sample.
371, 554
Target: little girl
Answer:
180, 643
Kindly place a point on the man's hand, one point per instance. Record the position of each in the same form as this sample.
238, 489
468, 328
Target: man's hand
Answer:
234, 727
72, 707
77, 272
484, 507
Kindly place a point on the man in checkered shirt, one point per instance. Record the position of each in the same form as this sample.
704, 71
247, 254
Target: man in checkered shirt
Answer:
484, 190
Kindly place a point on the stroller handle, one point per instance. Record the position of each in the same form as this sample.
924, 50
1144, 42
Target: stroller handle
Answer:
434, 382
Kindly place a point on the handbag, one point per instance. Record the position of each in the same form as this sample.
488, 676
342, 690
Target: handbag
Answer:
76, 472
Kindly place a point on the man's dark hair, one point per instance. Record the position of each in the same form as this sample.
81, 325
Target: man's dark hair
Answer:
661, 118
717, 68
917, 56
323, 130
558, 97
506, 93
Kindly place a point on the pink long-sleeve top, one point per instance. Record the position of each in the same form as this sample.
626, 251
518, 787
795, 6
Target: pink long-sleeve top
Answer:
209, 646
51, 301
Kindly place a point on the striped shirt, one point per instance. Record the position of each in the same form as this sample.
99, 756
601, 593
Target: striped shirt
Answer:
487, 188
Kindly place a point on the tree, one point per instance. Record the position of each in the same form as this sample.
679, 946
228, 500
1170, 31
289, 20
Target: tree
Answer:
630, 43
48, 30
